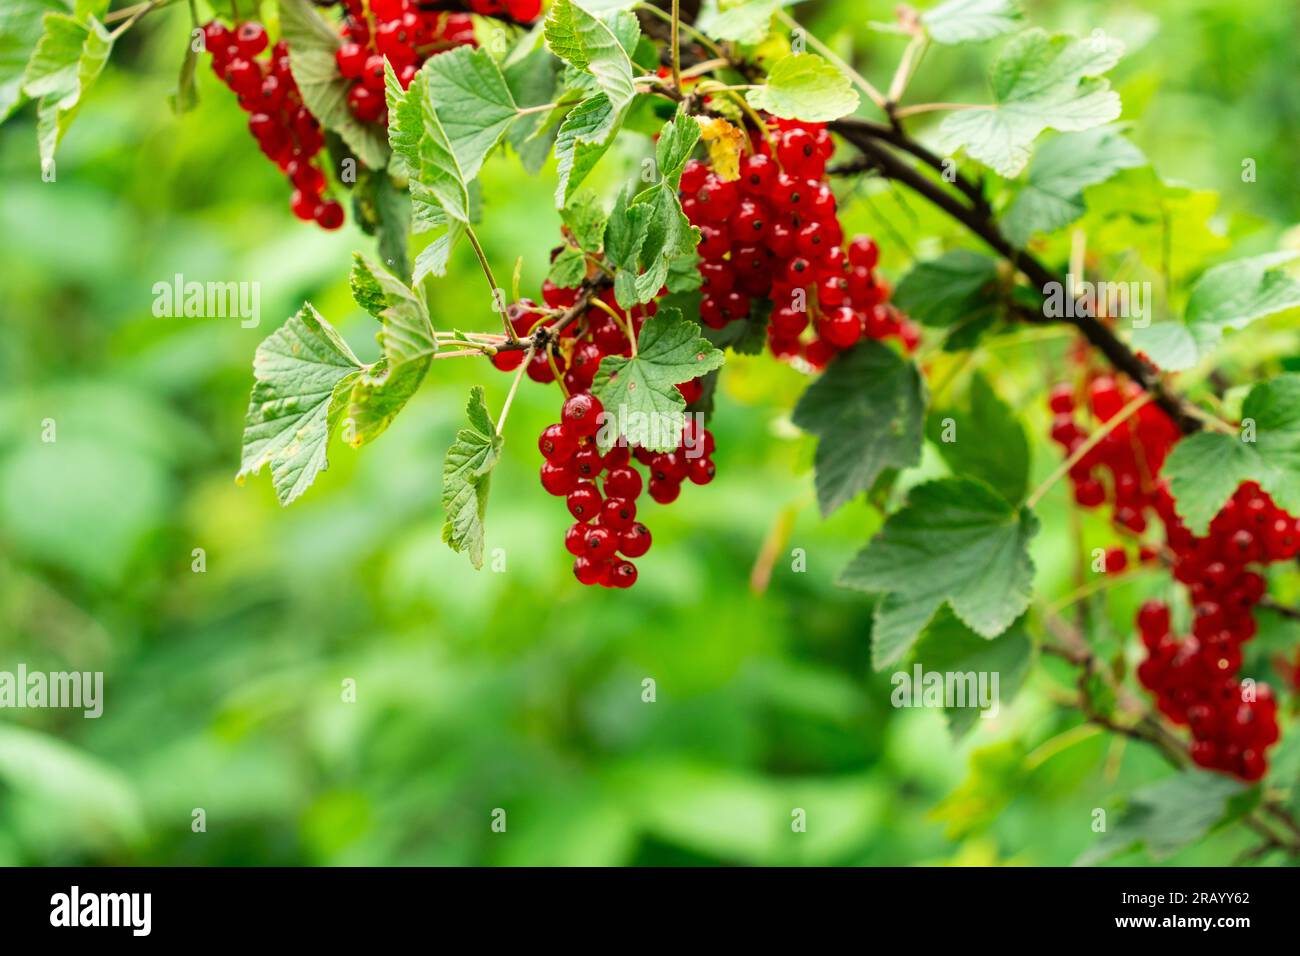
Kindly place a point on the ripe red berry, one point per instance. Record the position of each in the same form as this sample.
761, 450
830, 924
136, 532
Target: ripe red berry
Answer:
634, 541
583, 500
556, 443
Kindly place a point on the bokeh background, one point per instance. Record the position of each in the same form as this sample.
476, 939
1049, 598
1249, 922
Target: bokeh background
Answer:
521, 689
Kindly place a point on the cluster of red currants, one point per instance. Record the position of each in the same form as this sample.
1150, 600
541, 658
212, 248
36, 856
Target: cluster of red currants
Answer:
1122, 467
774, 233
399, 31
1194, 679
284, 128
606, 534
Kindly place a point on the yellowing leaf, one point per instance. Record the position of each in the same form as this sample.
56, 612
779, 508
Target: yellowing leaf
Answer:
725, 143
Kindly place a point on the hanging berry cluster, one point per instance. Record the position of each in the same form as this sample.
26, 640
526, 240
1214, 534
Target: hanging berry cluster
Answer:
774, 233
401, 30
601, 489
1193, 678
285, 130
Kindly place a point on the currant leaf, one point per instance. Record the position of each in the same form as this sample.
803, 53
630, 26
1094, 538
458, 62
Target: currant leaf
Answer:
1039, 82
867, 410
303, 374
956, 542
966, 21
639, 391
803, 86
466, 476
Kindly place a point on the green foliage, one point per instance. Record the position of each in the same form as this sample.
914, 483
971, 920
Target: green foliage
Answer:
1065, 165
957, 287
67, 60
21, 27
804, 86
746, 21
466, 476
950, 647
965, 21
1170, 814
303, 375
1205, 469
1039, 82
867, 411
983, 439
640, 390
957, 542
1227, 297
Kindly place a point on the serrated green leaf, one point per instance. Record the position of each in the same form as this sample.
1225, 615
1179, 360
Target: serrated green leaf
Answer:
585, 216
21, 26
964, 21
803, 86
639, 393
1062, 168
1227, 297
952, 288
1039, 82
950, 647
473, 102
958, 542
989, 441
677, 141
868, 411
1205, 469
582, 140
312, 47
303, 374
406, 333
466, 476
569, 268
745, 21
67, 60
1167, 816
587, 43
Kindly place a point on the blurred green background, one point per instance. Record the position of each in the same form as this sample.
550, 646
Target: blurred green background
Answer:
519, 689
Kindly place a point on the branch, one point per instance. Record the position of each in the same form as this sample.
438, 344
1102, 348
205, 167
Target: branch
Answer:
978, 218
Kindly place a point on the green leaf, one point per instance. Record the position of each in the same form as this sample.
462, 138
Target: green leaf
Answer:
312, 46
677, 141
186, 95
1205, 469
1039, 82
68, 59
466, 475
582, 140
303, 374
21, 26
745, 21
1171, 814
383, 210
803, 86
868, 411
950, 647
533, 78
433, 258
406, 333
587, 43
963, 21
1226, 298
473, 102
950, 289
569, 268
639, 393
989, 441
586, 218
1062, 168
418, 137
957, 542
